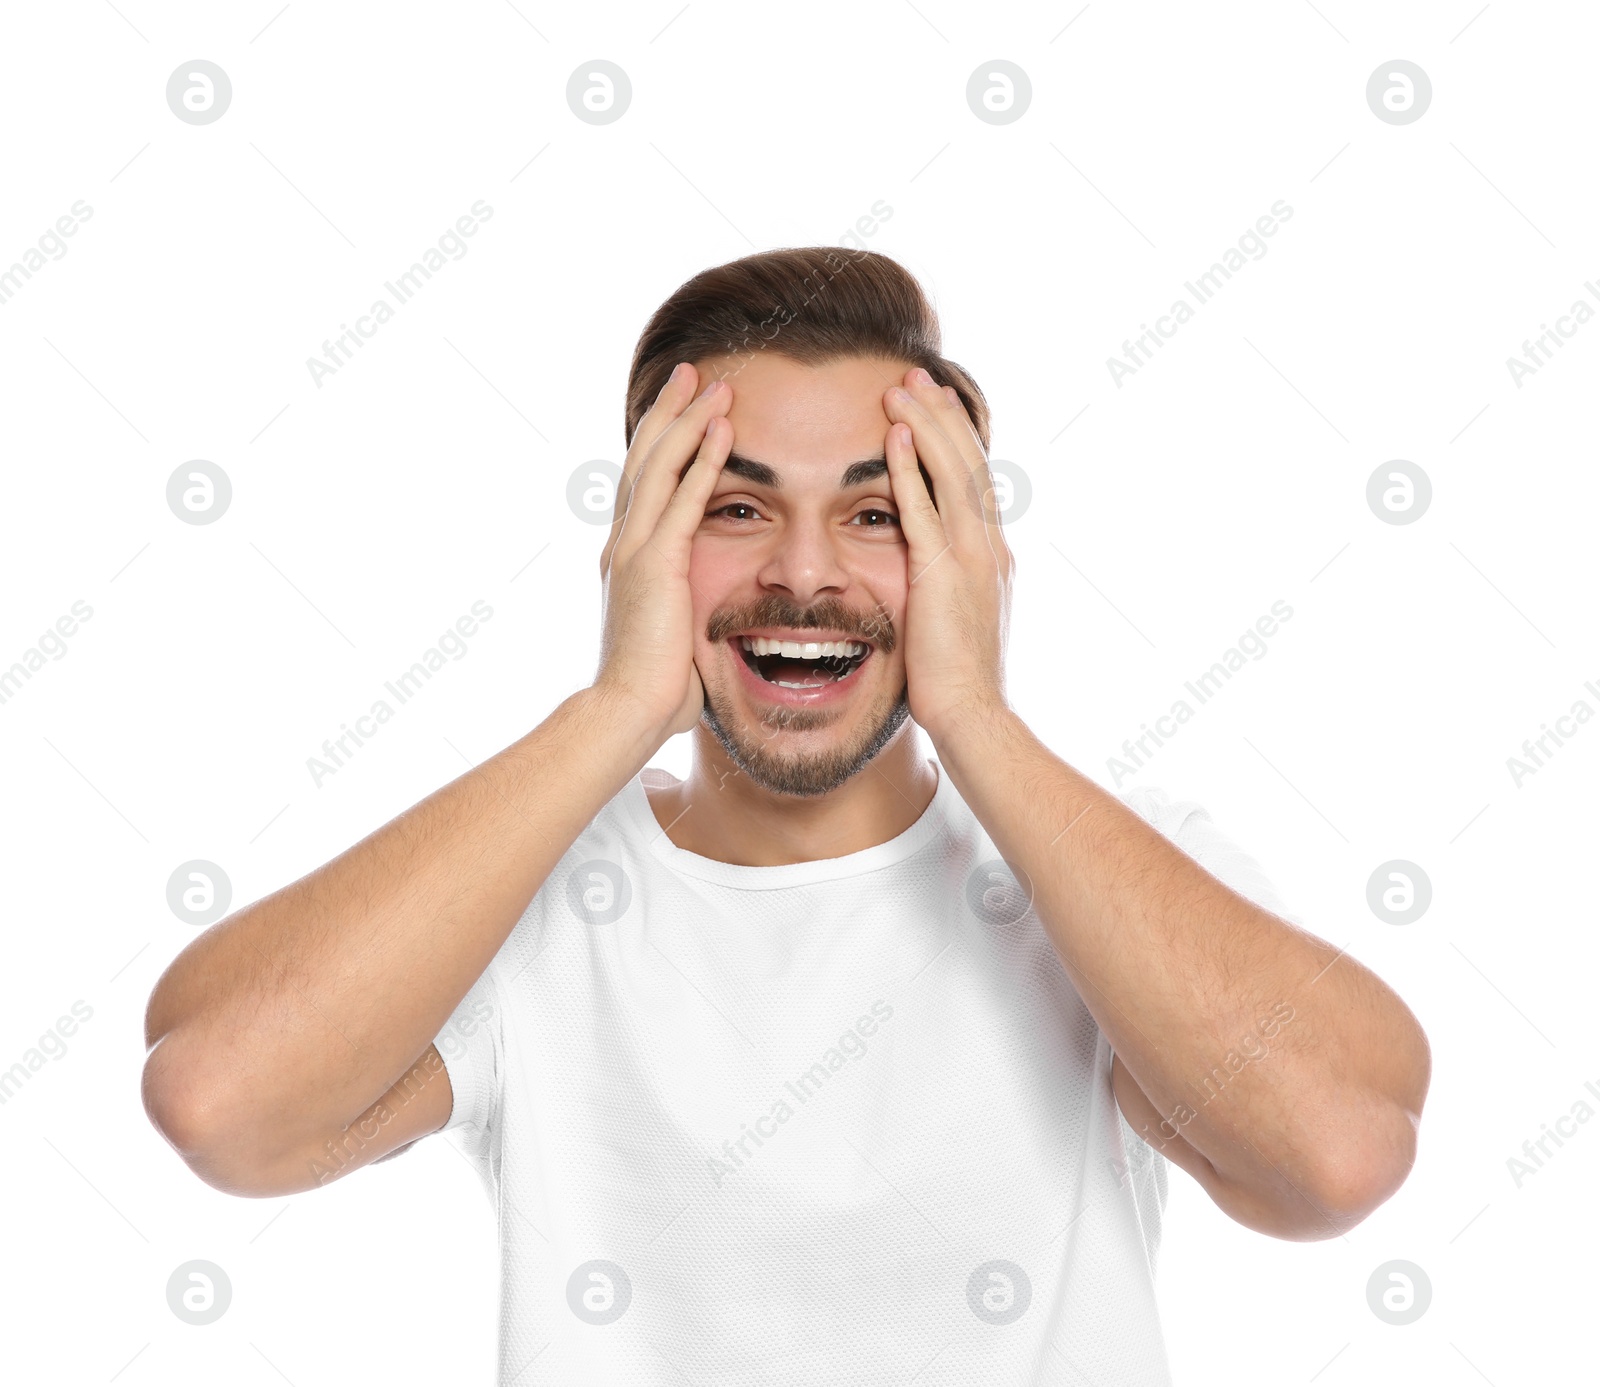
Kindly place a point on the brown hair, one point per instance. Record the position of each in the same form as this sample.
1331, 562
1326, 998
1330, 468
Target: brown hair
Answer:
811, 304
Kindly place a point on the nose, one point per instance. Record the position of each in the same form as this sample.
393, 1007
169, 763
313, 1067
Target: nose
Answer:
805, 562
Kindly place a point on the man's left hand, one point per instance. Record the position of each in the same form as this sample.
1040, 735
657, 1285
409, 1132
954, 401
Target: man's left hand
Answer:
959, 566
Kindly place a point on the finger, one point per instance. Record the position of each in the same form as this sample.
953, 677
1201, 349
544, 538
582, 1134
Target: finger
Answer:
920, 521
675, 394
955, 479
663, 466
687, 508
949, 415
986, 488
963, 420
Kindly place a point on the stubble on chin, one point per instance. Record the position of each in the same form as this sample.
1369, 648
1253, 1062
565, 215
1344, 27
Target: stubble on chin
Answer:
756, 749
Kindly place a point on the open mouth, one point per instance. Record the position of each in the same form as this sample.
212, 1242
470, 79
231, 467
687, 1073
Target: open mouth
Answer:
802, 664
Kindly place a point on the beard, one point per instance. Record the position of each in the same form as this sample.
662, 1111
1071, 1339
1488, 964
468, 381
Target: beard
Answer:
754, 749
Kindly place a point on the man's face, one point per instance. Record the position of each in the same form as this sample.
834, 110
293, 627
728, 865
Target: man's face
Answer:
786, 553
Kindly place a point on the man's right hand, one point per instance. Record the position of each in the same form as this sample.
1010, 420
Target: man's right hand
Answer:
304, 1023
647, 646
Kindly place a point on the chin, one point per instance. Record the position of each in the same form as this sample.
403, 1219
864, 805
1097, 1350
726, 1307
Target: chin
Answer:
799, 752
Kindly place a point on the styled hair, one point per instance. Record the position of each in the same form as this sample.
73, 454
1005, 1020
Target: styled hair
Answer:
811, 304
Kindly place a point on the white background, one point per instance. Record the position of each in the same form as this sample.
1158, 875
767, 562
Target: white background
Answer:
1168, 514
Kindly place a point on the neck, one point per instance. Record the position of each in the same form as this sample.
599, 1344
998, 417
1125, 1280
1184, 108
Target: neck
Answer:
718, 812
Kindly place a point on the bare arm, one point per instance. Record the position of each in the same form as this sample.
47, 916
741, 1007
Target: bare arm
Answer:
1186, 977
300, 1028
1176, 968
282, 1023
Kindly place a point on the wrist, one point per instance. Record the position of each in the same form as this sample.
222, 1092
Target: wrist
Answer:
976, 736
621, 717
973, 725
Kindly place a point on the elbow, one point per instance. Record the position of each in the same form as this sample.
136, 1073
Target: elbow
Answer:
176, 1108
1367, 1175
167, 1098
1349, 1162
193, 1120
1380, 1148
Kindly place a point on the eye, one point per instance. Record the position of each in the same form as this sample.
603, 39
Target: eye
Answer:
885, 517
731, 506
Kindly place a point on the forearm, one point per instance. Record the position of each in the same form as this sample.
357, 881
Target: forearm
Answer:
1181, 973
298, 1011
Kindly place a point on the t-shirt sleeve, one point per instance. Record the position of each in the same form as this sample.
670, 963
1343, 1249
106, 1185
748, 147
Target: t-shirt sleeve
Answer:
471, 1044
1187, 825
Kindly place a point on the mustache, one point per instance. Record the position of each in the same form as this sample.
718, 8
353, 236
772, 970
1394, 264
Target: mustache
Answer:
830, 614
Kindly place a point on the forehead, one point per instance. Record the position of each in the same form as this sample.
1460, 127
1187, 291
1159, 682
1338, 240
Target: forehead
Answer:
786, 413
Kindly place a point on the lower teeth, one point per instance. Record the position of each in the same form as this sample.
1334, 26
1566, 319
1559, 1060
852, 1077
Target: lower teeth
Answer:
831, 679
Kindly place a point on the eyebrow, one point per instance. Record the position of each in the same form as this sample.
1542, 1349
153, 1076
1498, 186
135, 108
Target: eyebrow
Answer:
760, 474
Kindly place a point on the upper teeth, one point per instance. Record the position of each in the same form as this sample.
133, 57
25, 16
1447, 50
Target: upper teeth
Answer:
802, 650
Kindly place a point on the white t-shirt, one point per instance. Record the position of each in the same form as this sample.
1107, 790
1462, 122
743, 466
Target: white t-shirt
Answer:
836, 1122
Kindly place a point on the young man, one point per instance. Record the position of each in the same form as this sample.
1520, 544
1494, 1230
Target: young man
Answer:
834, 1062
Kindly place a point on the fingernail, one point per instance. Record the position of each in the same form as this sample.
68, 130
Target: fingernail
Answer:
714, 384
921, 377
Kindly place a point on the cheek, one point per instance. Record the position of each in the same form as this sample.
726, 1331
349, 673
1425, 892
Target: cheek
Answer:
887, 584
714, 583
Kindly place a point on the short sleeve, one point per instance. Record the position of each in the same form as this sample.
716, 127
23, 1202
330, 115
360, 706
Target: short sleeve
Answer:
471, 1044
1188, 826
